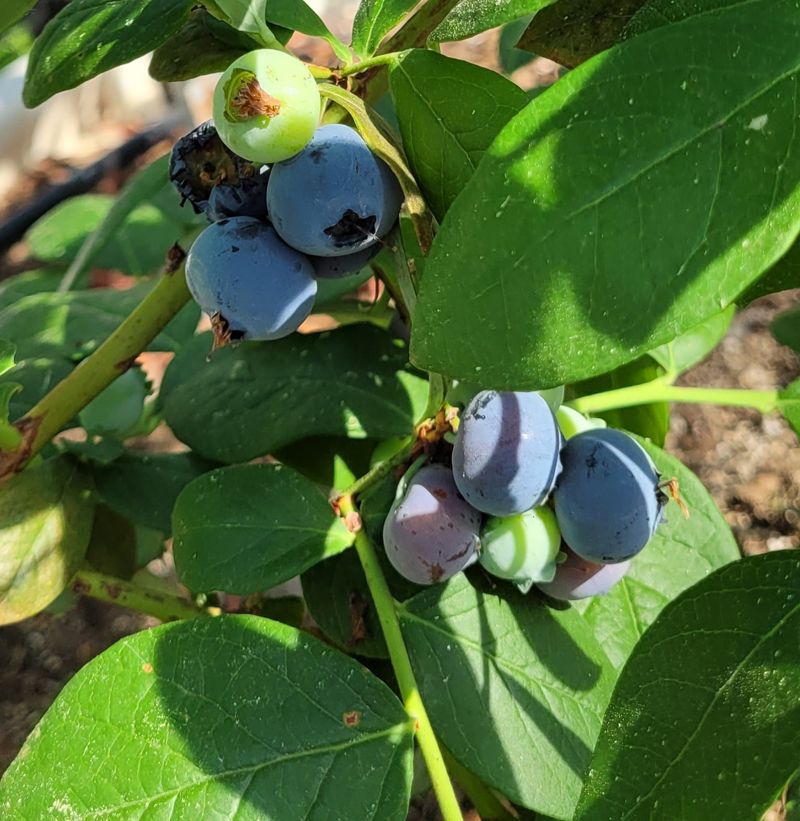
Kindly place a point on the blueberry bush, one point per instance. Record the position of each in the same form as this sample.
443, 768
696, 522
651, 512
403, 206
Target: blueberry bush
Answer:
508, 587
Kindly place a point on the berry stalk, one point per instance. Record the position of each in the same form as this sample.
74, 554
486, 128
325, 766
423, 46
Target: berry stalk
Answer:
97, 371
152, 603
658, 390
401, 663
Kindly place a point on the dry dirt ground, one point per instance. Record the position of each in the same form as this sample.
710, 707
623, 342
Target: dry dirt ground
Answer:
749, 463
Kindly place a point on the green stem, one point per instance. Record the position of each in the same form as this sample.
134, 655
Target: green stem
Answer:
150, 602
371, 62
487, 804
97, 371
380, 470
401, 663
660, 390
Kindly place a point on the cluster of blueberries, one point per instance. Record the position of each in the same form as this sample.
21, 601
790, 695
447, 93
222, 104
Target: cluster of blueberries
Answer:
537, 498
288, 202
552, 500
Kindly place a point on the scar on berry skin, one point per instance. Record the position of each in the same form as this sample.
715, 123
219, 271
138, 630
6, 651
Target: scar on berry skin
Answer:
246, 98
352, 719
351, 228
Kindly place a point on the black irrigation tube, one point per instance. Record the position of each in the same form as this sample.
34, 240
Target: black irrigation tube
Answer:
83, 180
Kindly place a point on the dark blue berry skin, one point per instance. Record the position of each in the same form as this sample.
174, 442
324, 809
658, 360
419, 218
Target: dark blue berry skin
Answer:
240, 269
607, 500
335, 267
335, 197
246, 198
506, 457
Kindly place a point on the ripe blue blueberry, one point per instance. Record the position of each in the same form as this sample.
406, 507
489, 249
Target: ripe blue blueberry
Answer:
505, 460
335, 267
242, 274
576, 578
335, 197
243, 197
607, 499
431, 533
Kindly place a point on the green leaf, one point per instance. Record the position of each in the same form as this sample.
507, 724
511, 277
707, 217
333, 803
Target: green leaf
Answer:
471, 17
246, 528
789, 405
333, 462
45, 522
786, 329
650, 421
253, 399
113, 545
515, 690
578, 271
299, 16
511, 58
682, 552
25, 284
713, 686
87, 38
74, 323
449, 112
690, 348
782, 276
203, 46
657, 13
8, 351
337, 596
37, 377
135, 233
144, 486
374, 19
96, 230
13, 10
572, 31
117, 408
15, 42
230, 717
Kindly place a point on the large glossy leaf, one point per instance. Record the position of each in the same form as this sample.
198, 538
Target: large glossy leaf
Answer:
516, 690
204, 45
37, 377
572, 31
449, 113
374, 19
45, 522
144, 486
559, 242
126, 233
73, 323
703, 722
234, 717
247, 528
256, 398
470, 17
682, 552
87, 38
656, 13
